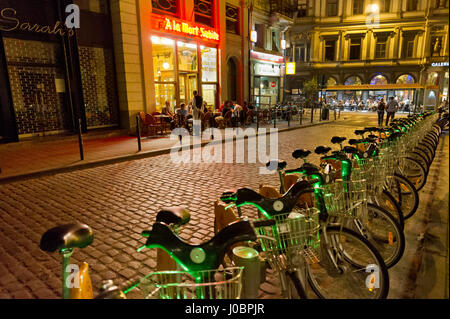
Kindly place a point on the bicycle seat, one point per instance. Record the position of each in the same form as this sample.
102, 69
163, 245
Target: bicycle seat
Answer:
321, 150
274, 206
173, 215
228, 196
360, 132
280, 164
337, 139
352, 141
301, 153
350, 149
66, 237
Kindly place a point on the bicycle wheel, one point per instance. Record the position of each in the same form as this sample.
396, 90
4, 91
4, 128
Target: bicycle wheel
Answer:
424, 152
413, 171
386, 201
421, 158
349, 276
383, 231
404, 193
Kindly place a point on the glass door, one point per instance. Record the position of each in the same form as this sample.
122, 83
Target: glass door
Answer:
188, 83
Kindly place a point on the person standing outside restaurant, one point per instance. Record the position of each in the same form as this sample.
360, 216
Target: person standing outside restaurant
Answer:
380, 109
197, 105
392, 107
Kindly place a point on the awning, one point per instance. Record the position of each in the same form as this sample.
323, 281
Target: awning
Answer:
369, 87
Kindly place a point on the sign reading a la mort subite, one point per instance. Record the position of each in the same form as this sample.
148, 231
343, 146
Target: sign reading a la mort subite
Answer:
189, 29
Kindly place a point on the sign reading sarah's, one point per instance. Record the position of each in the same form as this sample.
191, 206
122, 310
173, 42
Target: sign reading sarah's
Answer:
10, 22
186, 28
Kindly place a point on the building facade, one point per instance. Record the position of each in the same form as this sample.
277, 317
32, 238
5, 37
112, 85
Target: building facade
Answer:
368, 49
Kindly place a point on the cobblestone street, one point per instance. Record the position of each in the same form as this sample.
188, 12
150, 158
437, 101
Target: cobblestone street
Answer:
119, 201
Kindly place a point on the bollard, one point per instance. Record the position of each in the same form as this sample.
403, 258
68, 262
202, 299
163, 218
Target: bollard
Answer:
301, 116
320, 114
257, 121
275, 119
288, 114
312, 114
138, 133
335, 114
251, 276
80, 140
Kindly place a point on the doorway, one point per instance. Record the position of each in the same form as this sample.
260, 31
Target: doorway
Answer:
188, 84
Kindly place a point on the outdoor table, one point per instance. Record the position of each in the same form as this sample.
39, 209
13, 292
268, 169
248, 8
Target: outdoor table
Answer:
162, 122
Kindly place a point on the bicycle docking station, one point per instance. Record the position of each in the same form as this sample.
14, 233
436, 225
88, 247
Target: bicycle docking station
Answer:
254, 272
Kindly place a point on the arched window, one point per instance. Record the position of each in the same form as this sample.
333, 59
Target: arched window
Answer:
353, 80
331, 81
405, 79
379, 80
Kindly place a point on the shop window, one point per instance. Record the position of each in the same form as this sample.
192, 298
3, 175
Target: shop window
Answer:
355, 49
411, 5
165, 7
204, 12
358, 7
380, 48
165, 92
187, 56
379, 80
209, 92
330, 50
163, 59
332, 8
232, 15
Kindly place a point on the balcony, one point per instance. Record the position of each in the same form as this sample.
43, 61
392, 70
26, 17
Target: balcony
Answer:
286, 8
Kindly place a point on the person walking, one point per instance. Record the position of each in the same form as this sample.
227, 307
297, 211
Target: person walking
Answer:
380, 109
392, 107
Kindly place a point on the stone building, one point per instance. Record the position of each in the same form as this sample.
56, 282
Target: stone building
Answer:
361, 49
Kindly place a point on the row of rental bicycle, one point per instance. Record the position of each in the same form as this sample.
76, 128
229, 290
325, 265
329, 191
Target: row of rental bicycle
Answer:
330, 230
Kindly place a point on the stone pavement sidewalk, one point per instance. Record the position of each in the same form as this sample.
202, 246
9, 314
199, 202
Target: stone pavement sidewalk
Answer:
49, 155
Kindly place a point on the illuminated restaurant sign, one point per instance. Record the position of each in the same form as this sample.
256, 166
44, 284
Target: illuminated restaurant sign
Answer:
189, 29
266, 57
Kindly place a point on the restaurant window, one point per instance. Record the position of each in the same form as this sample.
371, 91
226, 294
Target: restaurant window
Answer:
209, 75
380, 48
358, 7
302, 8
204, 12
332, 8
412, 5
187, 56
165, 6
355, 49
232, 14
330, 50
164, 71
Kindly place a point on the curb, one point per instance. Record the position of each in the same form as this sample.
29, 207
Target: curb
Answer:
128, 157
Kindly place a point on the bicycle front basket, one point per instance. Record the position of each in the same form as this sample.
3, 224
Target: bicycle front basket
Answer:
209, 284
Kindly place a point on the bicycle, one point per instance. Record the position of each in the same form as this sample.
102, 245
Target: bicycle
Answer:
200, 276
